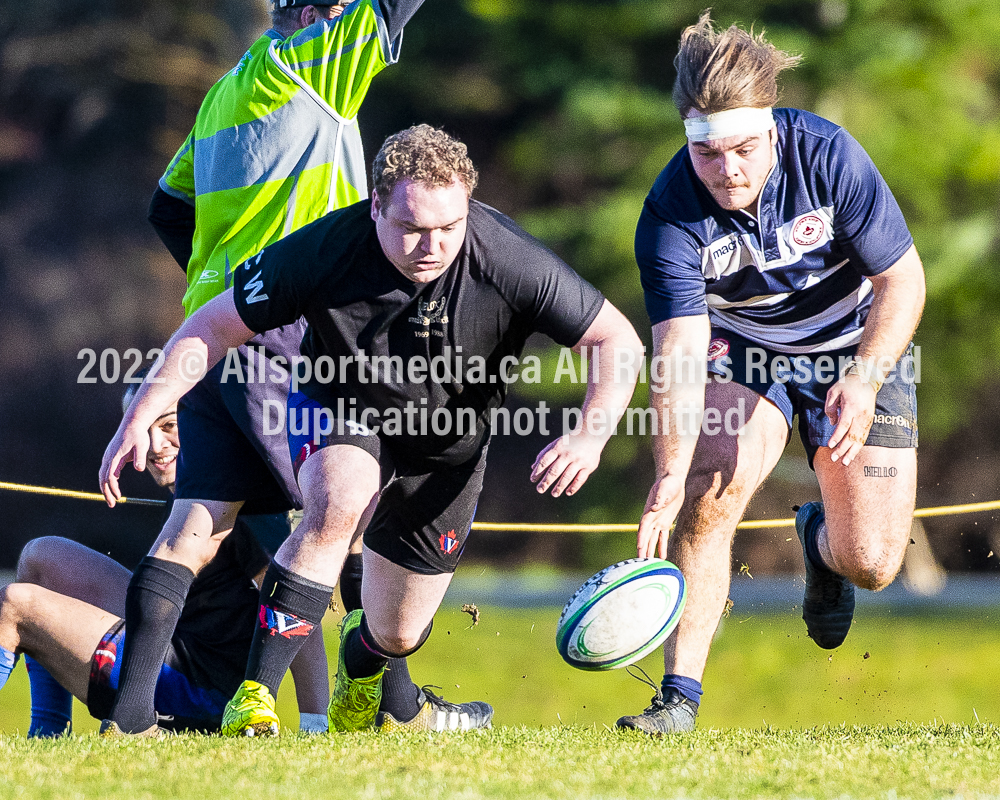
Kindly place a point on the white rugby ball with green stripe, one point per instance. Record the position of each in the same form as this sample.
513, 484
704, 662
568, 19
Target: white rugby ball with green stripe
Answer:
621, 614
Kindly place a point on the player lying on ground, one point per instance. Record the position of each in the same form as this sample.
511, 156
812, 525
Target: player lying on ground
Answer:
274, 146
772, 252
414, 274
64, 612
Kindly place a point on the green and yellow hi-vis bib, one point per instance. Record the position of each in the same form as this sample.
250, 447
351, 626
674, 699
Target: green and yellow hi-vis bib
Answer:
276, 143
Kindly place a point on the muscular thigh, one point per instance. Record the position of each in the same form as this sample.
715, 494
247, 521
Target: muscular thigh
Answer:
871, 500
72, 569
61, 633
742, 438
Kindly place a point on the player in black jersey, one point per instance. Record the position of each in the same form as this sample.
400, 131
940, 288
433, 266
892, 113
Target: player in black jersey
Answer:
418, 302
64, 612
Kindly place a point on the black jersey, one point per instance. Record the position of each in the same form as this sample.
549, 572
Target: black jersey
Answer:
212, 638
377, 340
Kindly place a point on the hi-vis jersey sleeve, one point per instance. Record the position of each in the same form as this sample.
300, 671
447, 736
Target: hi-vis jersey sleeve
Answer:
338, 58
178, 180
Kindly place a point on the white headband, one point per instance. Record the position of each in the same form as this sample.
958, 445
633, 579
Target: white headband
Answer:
735, 122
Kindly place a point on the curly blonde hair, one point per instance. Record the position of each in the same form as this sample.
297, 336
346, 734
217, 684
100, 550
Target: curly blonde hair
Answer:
425, 155
721, 70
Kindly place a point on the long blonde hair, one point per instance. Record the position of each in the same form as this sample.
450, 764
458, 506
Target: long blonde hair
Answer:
722, 70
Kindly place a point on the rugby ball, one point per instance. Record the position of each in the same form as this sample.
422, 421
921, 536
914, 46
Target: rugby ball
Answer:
621, 614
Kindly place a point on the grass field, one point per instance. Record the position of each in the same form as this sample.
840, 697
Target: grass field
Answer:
908, 707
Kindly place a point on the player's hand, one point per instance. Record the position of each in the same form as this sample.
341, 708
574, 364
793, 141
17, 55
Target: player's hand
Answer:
662, 506
131, 443
850, 405
566, 464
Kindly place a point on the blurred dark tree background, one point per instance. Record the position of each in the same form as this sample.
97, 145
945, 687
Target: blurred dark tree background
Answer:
565, 106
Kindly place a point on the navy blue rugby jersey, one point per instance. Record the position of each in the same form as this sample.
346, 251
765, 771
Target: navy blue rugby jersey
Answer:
794, 278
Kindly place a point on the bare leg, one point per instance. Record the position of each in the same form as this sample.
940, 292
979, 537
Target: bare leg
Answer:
869, 512
59, 632
194, 531
155, 598
340, 485
399, 604
71, 569
724, 474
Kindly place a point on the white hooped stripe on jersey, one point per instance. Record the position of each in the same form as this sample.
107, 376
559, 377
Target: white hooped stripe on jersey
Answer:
783, 336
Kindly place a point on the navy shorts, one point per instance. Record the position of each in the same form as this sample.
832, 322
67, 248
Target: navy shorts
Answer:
424, 516
798, 385
179, 704
226, 452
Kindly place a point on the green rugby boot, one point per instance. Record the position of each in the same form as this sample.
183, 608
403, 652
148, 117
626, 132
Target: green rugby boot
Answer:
354, 703
251, 712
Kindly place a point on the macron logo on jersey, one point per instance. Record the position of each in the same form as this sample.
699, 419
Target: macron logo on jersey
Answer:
253, 287
725, 256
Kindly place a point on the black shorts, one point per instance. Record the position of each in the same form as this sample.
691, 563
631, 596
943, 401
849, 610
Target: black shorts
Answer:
225, 452
798, 385
424, 515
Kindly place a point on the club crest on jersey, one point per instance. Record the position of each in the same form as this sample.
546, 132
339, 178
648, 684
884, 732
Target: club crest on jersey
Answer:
717, 348
448, 542
432, 312
287, 625
807, 230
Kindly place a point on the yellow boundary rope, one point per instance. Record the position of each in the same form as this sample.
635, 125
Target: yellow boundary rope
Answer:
21, 487
528, 527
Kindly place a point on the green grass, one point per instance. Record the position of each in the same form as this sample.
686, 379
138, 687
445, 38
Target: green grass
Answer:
553, 762
780, 718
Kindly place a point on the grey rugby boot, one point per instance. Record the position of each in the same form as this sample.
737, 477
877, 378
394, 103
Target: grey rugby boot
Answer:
670, 713
437, 714
110, 730
828, 607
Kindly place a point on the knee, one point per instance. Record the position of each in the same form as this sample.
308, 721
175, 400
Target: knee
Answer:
869, 567
398, 645
16, 600
400, 642
873, 575
38, 558
334, 521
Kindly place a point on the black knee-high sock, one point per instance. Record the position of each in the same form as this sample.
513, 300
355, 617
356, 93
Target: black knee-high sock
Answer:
399, 692
362, 655
152, 607
290, 608
350, 582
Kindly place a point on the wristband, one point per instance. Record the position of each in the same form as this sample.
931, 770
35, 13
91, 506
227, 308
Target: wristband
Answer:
864, 369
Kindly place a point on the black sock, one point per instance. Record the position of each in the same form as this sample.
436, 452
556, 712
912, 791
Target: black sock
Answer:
152, 607
290, 608
812, 542
399, 692
350, 583
362, 657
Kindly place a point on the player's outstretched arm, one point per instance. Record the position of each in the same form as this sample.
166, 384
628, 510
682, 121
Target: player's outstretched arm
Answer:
198, 345
565, 465
677, 396
898, 302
